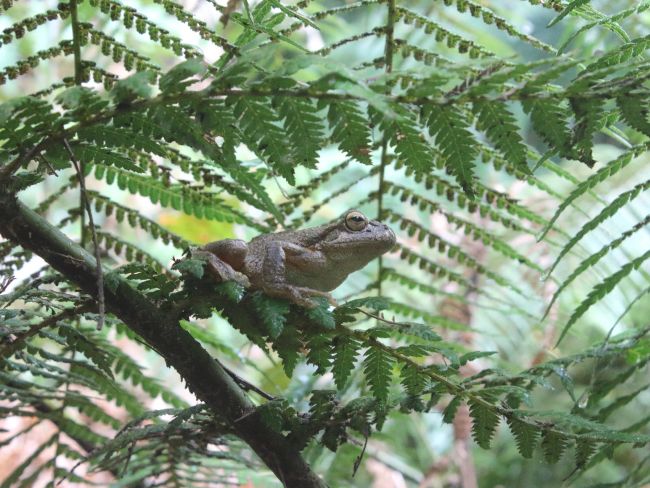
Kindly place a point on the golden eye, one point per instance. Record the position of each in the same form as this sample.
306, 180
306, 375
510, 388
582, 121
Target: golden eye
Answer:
355, 221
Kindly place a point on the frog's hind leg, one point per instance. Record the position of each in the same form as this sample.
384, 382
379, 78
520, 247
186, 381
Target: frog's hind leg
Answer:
224, 259
231, 251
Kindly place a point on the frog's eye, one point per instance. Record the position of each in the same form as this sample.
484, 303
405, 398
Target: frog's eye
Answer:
355, 221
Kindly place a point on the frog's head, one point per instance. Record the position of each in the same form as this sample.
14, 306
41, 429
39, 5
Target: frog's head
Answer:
354, 240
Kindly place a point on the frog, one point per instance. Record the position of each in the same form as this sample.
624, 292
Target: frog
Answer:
298, 265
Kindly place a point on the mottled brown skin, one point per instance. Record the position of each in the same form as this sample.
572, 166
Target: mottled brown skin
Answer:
299, 264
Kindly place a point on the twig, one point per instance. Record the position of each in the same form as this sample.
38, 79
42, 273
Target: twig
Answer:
100, 274
245, 385
357, 461
5, 282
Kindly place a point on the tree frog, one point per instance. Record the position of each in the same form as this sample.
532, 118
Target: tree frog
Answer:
299, 264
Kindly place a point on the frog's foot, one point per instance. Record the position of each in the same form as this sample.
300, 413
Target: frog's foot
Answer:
219, 270
299, 295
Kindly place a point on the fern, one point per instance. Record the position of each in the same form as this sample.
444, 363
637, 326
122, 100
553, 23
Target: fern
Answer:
604, 214
345, 355
605, 172
377, 366
484, 423
499, 125
553, 444
602, 289
349, 130
526, 435
455, 141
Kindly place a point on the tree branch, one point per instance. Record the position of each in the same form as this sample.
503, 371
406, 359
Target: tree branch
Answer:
204, 376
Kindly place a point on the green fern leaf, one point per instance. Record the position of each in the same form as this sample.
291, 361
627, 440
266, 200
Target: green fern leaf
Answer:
303, 128
589, 116
585, 448
181, 76
601, 175
602, 289
635, 47
553, 444
321, 315
345, 355
349, 129
288, 347
413, 380
98, 155
451, 131
319, 351
119, 137
634, 110
449, 413
378, 368
609, 211
594, 258
484, 422
136, 86
549, 120
258, 123
272, 311
501, 128
605, 21
526, 435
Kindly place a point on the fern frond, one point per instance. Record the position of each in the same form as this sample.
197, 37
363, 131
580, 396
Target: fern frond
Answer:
604, 22
131, 251
27, 64
405, 135
484, 422
601, 175
413, 380
303, 128
553, 444
602, 289
257, 121
634, 110
178, 197
350, 129
451, 131
604, 214
595, 257
134, 218
623, 53
501, 128
488, 16
453, 251
526, 435
589, 119
549, 118
378, 368
346, 349
441, 34
18, 29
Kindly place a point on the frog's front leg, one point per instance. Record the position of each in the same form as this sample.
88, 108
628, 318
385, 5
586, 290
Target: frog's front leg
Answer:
278, 253
224, 259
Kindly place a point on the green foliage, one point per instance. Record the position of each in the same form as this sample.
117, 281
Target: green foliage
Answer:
425, 107
484, 422
525, 434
